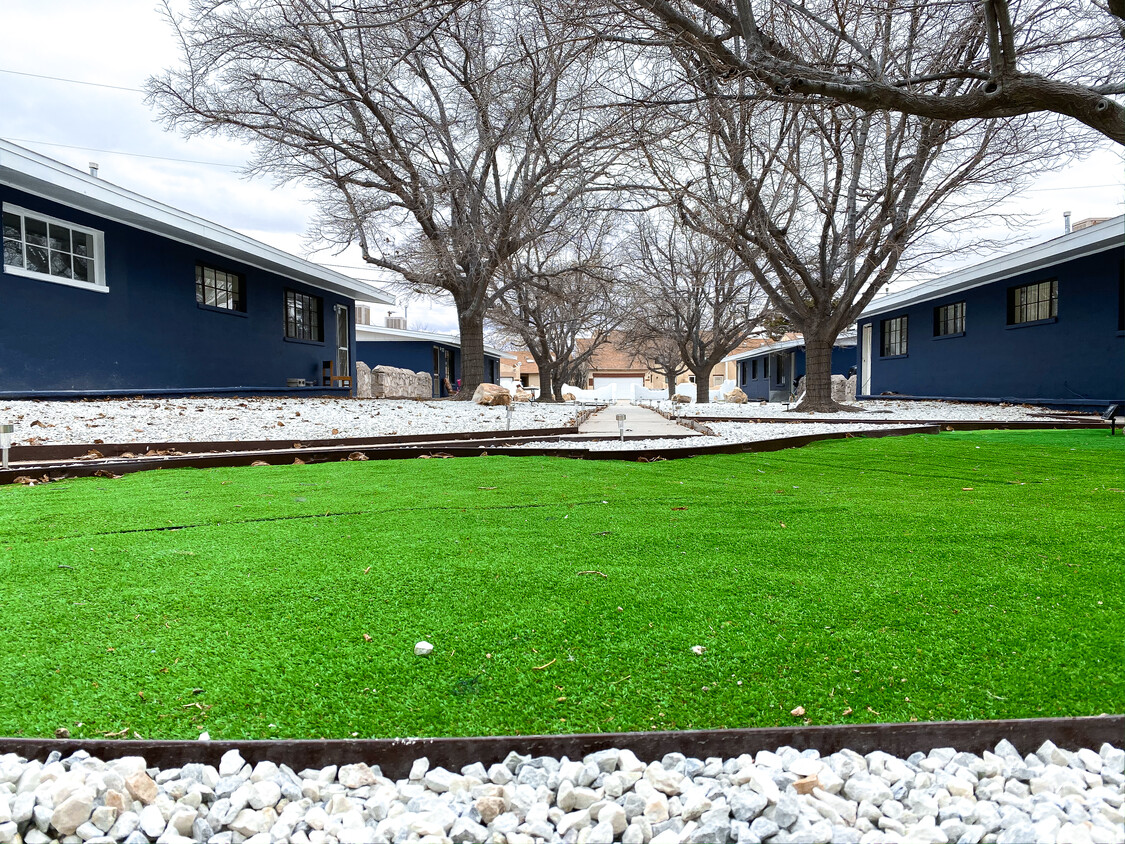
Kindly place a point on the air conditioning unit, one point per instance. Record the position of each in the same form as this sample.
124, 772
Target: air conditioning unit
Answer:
396, 322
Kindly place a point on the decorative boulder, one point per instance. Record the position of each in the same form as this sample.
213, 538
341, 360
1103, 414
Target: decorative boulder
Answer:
492, 395
839, 388
362, 380
736, 396
849, 389
521, 394
569, 397
680, 398
391, 382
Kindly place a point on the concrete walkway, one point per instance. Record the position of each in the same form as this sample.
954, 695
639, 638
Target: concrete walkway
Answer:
640, 422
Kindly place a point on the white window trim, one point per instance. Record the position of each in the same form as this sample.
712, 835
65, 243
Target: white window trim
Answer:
97, 259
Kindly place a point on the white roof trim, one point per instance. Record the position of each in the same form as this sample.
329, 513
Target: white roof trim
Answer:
1088, 241
844, 340
381, 334
36, 174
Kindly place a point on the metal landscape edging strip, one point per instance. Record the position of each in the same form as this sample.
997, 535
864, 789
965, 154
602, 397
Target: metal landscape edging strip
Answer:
395, 756
432, 448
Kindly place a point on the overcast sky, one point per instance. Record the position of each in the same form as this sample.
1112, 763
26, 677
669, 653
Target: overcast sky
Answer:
121, 42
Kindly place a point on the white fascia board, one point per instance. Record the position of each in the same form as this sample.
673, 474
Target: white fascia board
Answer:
843, 341
1068, 247
381, 334
36, 174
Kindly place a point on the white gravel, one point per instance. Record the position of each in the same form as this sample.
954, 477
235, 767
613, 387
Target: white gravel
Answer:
781, 797
237, 419
726, 433
885, 409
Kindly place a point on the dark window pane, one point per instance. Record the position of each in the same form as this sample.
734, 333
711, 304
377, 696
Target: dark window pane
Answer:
36, 258
36, 233
81, 269
81, 243
13, 226
60, 238
60, 264
13, 253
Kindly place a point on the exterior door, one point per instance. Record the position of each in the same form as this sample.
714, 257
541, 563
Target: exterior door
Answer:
343, 349
437, 372
865, 362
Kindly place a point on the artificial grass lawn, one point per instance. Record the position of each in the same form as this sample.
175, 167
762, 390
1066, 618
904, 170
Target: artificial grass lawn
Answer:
971, 575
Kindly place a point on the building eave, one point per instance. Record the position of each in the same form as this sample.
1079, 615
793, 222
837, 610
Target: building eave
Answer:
35, 174
381, 334
1040, 256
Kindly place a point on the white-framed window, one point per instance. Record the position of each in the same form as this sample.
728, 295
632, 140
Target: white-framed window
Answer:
48, 249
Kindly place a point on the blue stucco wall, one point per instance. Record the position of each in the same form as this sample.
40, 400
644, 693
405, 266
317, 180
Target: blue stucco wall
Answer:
1079, 356
843, 358
147, 333
418, 356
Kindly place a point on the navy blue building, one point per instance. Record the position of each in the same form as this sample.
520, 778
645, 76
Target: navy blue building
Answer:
771, 372
1043, 325
421, 351
106, 292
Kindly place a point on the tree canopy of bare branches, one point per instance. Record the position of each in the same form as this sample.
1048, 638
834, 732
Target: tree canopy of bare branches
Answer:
693, 292
952, 60
562, 304
826, 205
443, 138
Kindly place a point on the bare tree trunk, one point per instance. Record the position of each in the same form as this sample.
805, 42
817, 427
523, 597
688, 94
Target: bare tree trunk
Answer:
671, 387
702, 388
818, 375
470, 322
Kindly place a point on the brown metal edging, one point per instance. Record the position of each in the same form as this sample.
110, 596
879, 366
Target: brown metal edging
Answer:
83, 469
396, 755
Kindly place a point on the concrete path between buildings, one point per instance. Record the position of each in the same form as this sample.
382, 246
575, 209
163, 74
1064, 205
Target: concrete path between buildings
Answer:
639, 422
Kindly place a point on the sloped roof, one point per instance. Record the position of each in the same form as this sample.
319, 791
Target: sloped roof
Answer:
789, 341
33, 173
1067, 247
381, 334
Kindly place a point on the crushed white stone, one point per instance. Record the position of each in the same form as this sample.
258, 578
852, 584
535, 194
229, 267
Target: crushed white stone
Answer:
238, 419
1052, 796
883, 409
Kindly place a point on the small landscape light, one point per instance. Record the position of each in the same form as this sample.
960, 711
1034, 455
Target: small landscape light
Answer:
5, 443
511, 410
621, 425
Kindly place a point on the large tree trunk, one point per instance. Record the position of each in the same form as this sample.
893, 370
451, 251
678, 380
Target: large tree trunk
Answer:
702, 387
470, 322
818, 375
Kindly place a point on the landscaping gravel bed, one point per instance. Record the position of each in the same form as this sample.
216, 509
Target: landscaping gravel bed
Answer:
234, 419
885, 409
1052, 795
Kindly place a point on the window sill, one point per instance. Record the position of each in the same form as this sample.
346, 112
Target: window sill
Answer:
303, 342
1029, 324
948, 336
54, 279
892, 357
216, 309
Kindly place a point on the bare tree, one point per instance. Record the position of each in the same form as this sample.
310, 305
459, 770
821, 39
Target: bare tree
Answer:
660, 352
825, 206
694, 291
441, 138
1008, 58
562, 305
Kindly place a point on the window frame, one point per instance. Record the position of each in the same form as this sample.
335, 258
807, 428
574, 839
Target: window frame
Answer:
754, 369
1013, 308
95, 259
900, 347
957, 321
238, 294
319, 311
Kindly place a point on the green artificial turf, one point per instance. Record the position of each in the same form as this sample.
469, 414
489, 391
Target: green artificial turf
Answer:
970, 575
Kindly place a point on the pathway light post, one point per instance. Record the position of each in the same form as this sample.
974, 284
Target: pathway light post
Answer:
5, 443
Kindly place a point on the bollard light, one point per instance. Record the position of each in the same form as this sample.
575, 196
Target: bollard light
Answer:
621, 425
511, 410
5, 443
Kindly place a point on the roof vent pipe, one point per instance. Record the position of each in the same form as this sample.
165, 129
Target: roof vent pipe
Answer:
94, 173
1066, 222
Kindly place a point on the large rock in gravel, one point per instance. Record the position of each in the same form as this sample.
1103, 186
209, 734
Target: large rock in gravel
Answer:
736, 396
391, 382
492, 395
362, 380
